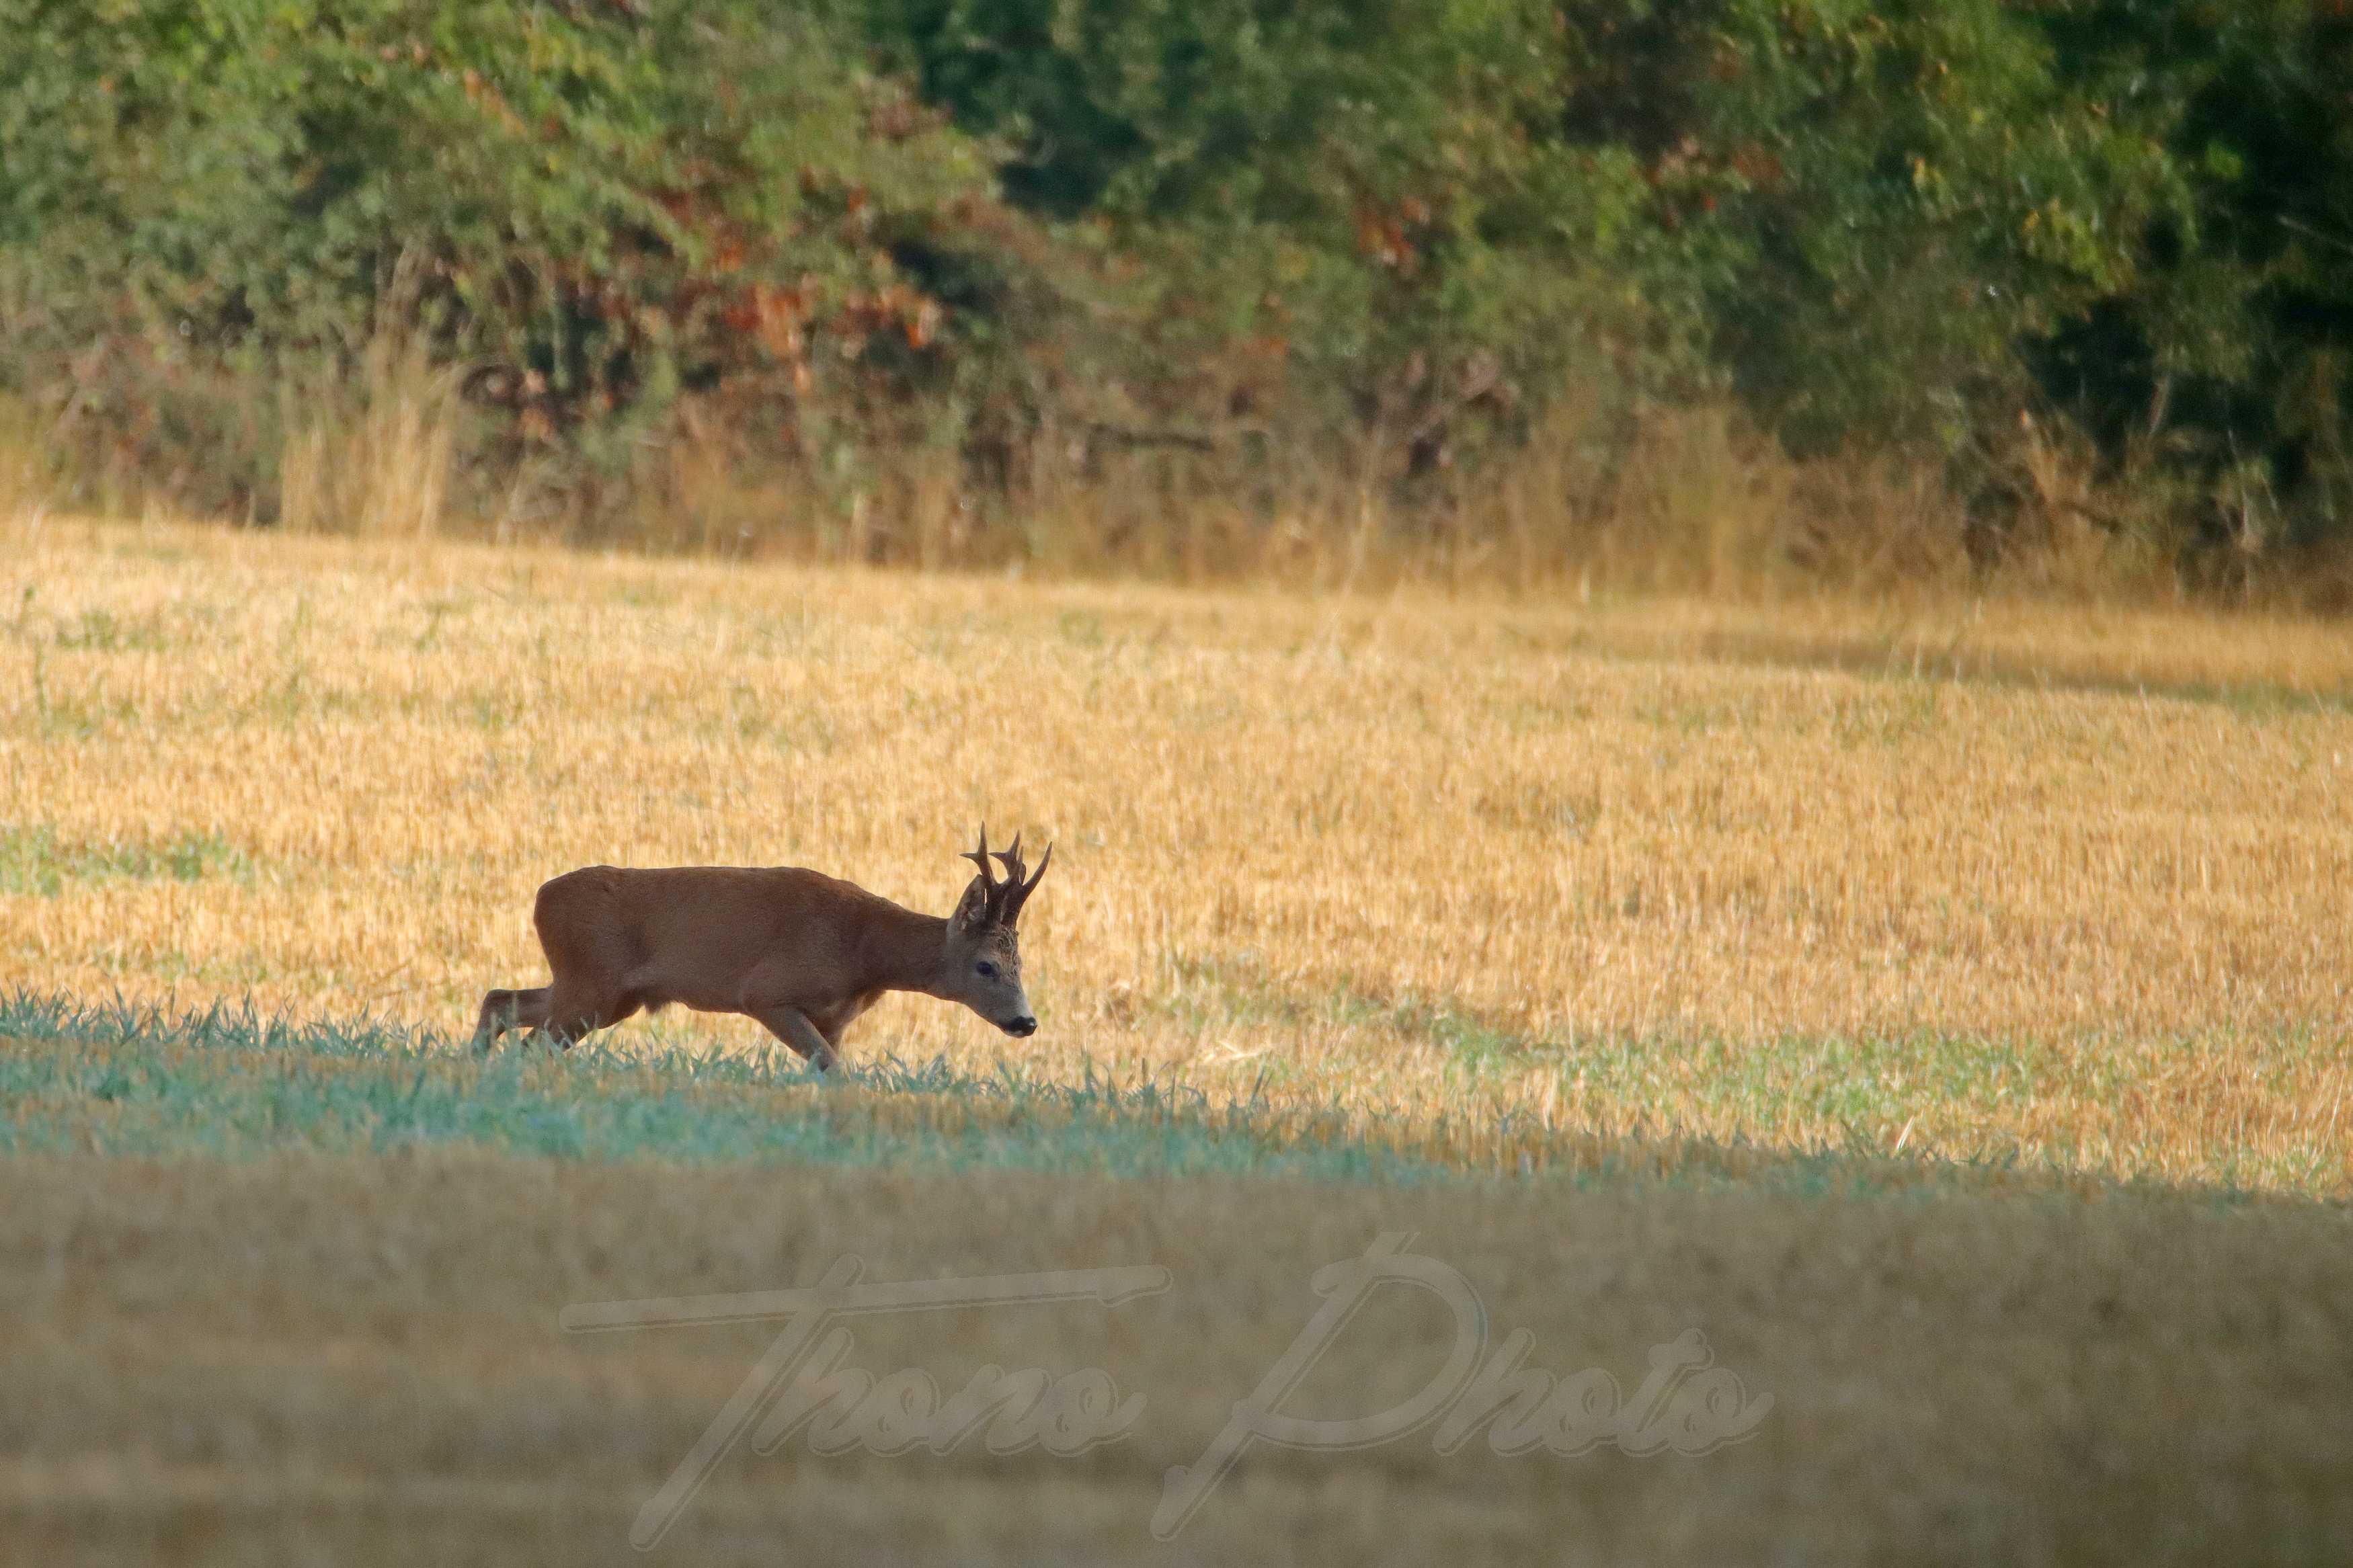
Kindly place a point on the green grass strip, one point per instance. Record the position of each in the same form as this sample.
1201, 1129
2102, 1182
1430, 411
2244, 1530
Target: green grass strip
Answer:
148, 1081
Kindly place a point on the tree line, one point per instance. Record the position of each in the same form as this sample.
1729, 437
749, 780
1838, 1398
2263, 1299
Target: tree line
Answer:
1383, 239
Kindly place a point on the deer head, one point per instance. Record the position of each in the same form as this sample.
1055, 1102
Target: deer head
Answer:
982, 961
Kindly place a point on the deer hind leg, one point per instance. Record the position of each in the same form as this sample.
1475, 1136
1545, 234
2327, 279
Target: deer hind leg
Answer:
504, 1010
560, 1015
573, 1013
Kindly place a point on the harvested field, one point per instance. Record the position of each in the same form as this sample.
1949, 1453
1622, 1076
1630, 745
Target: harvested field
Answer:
1936, 1020
1970, 883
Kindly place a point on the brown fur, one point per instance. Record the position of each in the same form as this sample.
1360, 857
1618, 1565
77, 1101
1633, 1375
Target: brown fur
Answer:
802, 952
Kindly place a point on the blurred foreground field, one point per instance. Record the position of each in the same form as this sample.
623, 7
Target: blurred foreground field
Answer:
301, 1294
2055, 886
311, 1358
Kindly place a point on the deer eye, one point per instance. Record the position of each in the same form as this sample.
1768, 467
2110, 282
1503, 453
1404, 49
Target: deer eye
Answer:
987, 970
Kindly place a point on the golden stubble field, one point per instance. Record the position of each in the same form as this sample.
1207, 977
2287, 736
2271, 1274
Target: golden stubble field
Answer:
1959, 881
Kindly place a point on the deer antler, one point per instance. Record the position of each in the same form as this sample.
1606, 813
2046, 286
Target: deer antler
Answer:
1017, 891
1006, 897
980, 857
1011, 856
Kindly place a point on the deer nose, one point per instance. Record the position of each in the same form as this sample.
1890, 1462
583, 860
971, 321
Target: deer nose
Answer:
1024, 1026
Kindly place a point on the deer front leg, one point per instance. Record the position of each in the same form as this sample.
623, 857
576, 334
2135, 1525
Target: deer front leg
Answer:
792, 1025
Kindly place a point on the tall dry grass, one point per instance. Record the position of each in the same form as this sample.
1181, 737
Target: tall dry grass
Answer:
1996, 880
370, 454
381, 440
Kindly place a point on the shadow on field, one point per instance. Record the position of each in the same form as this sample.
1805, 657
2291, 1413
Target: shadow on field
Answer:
302, 1291
148, 1082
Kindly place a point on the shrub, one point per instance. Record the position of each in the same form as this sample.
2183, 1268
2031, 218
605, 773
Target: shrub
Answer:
927, 280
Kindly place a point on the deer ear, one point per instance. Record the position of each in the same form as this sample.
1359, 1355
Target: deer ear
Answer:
972, 910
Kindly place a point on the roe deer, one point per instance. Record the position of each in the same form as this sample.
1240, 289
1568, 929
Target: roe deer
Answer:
802, 952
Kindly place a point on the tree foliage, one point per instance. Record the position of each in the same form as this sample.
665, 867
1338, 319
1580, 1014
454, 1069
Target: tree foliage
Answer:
1875, 224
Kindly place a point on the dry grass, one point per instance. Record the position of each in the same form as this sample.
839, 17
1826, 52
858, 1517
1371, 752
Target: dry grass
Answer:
1764, 874
359, 1362
370, 454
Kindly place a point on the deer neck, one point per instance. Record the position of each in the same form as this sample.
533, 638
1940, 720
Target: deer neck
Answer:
904, 952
